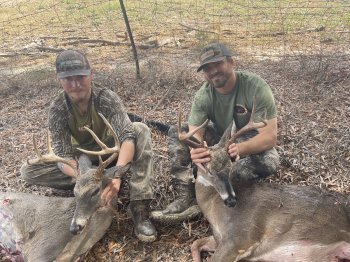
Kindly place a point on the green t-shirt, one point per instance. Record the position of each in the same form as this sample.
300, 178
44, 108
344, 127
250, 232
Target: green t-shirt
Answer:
221, 109
91, 120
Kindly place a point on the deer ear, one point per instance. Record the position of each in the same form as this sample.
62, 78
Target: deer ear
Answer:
84, 163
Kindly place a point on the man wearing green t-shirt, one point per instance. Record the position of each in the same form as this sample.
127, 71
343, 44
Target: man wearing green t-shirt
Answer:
226, 96
79, 105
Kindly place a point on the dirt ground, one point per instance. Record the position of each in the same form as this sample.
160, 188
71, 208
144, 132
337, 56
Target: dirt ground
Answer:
313, 102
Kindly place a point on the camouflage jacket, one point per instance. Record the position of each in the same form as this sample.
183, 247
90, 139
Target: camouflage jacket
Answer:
105, 102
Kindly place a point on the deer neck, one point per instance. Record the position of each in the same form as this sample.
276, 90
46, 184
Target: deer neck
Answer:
212, 206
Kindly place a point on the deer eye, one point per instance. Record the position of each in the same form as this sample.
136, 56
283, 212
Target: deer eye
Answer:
95, 192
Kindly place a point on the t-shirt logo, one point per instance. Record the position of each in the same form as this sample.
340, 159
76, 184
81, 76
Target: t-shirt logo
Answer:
240, 109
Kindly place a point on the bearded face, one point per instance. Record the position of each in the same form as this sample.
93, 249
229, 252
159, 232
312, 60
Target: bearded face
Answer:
218, 73
78, 88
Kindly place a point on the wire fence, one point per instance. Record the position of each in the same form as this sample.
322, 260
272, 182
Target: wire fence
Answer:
33, 31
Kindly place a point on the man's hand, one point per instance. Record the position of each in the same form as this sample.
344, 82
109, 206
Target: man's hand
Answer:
200, 155
233, 151
111, 190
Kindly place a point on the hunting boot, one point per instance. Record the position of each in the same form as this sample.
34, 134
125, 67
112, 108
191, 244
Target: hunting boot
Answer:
184, 207
143, 227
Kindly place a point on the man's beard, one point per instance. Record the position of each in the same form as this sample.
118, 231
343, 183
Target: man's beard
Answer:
80, 98
220, 82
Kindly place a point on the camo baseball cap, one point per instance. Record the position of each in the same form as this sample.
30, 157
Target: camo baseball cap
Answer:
213, 52
72, 63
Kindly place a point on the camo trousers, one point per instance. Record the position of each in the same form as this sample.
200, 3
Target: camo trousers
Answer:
248, 168
141, 177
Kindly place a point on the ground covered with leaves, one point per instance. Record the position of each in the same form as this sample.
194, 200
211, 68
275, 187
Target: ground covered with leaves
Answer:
313, 101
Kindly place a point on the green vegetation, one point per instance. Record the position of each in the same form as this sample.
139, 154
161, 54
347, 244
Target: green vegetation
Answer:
245, 23
296, 13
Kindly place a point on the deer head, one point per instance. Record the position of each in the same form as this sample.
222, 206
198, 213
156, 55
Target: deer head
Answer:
90, 180
216, 173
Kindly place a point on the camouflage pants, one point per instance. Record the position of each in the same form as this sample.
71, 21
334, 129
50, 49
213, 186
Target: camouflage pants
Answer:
140, 182
248, 168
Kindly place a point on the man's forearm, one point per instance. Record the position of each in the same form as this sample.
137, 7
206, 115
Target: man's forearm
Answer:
264, 140
256, 145
126, 153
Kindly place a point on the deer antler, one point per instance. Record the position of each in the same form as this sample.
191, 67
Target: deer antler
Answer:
188, 138
49, 157
248, 127
105, 150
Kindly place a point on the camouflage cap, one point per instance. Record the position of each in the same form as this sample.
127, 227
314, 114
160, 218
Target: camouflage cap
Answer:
213, 53
72, 63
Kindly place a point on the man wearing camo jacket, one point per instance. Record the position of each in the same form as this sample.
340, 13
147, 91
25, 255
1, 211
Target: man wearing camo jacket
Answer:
225, 97
78, 106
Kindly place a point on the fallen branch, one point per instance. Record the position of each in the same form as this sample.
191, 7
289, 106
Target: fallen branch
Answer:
96, 41
197, 29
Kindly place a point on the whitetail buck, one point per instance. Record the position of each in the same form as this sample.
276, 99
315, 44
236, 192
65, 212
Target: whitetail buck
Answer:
40, 228
269, 222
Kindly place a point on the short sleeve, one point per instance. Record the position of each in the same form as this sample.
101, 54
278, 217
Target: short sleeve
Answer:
199, 109
265, 102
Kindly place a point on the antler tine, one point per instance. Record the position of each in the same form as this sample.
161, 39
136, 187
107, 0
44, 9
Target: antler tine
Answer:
250, 126
105, 150
186, 138
50, 157
36, 150
104, 164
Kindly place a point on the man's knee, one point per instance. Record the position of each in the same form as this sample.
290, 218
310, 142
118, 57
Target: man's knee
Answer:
173, 132
141, 128
271, 161
256, 167
30, 173
143, 136
25, 173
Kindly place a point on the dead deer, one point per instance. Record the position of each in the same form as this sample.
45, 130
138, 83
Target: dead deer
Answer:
269, 222
41, 228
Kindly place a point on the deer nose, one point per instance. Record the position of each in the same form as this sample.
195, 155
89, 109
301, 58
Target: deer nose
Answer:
230, 201
75, 229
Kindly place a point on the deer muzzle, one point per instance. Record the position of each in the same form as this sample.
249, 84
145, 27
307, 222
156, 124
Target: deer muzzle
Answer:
76, 229
231, 201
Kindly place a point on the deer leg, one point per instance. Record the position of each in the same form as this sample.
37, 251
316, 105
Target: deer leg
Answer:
207, 244
227, 252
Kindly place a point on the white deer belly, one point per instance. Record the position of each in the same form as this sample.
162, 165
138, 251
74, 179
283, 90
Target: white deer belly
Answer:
301, 251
